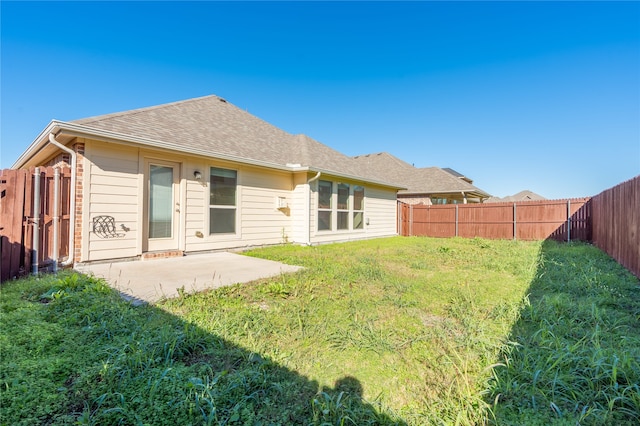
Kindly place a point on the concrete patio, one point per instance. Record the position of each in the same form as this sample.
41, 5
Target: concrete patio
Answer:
149, 281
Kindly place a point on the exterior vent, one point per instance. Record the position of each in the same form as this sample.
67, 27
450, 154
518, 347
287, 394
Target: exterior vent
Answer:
281, 203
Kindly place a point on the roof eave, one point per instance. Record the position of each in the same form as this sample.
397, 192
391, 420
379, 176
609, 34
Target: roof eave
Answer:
472, 193
356, 178
79, 130
38, 143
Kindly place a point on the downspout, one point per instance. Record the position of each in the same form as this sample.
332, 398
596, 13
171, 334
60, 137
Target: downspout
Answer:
72, 198
308, 215
464, 198
35, 251
56, 218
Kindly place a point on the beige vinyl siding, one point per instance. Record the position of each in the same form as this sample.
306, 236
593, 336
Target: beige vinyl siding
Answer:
111, 174
259, 222
380, 210
195, 211
298, 207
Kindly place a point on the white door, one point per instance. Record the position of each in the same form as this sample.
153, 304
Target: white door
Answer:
163, 206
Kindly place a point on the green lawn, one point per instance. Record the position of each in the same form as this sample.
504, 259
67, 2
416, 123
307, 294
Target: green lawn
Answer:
407, 331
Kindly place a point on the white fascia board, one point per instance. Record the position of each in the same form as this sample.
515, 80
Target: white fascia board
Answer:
356, 178
38, 143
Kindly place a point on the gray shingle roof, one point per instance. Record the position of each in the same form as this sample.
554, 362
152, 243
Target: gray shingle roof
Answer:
212, 124
428, 180
525, 195
457, 174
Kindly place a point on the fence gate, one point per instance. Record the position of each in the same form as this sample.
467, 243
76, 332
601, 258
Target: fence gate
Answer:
33, 202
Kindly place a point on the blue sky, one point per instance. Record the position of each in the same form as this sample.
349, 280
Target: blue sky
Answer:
516, 95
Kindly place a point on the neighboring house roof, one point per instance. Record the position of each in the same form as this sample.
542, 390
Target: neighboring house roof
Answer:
525, 195
457, 174
213, 127
428, 180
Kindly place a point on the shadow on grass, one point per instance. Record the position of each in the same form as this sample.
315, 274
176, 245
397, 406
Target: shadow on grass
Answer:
574, 353
74, 352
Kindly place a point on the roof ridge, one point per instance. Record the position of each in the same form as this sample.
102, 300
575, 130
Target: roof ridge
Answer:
370, 154
386, 154
136, 111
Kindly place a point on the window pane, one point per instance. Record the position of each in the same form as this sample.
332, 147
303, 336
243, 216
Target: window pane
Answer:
343, 196
223, 187
358, 220
222, 221
324, 221
324, 194
160, 201
358, 198
343, 220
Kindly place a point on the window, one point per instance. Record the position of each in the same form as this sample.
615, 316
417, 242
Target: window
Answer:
222, 201
325, 192
343, 206
358, 207
436, 200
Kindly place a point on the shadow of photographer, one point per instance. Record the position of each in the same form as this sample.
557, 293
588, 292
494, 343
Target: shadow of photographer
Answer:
116, 363
344, 405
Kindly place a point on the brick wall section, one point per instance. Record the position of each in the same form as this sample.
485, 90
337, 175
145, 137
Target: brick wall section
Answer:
77, 232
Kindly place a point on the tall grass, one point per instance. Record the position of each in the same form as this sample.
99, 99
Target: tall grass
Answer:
396, 331
573, 357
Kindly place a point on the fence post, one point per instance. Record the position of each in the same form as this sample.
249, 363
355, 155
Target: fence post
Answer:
410, 220
456, 220
568, 221
514, 221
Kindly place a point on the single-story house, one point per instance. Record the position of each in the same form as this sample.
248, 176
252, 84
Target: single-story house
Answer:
203, 174
427, 185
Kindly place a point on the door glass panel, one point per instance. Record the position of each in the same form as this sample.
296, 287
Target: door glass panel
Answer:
160, 201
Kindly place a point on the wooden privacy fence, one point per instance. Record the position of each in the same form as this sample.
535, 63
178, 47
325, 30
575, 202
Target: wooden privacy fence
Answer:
21, 193
616, 223
564, 220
